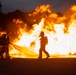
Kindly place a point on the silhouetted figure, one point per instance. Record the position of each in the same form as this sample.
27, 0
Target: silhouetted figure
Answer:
7, 45
43, 42
4, 42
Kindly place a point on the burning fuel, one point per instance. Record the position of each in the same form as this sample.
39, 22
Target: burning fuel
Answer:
60, 30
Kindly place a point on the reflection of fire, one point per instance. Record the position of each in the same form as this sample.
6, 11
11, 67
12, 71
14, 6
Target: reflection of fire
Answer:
60, 30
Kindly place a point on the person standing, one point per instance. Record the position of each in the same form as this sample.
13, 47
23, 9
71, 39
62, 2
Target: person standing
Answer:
43, 42
2, 44
7, 45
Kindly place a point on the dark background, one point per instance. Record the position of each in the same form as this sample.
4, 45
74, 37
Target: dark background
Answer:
30, 5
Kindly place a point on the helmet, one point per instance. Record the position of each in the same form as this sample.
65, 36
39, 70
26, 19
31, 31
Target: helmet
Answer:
42, 33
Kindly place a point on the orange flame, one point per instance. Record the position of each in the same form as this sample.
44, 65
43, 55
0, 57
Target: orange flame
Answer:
60, 30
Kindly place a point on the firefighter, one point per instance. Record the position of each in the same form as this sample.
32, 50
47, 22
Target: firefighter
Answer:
7, 45
43, 42
4, 40
2, 44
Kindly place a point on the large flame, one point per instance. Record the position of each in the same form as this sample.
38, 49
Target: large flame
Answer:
60, 30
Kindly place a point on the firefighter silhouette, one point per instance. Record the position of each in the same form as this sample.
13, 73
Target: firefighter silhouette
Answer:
7, 45
43, 42
4, 42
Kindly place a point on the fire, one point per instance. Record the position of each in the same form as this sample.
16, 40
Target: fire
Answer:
60, 30
73, 8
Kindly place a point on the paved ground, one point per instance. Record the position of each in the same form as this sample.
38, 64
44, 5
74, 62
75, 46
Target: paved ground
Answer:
52, 66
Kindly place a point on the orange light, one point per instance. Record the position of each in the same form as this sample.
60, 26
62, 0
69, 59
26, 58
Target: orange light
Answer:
59, 43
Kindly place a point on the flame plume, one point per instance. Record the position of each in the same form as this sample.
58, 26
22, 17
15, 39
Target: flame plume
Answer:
60, 30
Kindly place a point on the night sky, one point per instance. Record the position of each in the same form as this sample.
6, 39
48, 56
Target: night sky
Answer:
30, 5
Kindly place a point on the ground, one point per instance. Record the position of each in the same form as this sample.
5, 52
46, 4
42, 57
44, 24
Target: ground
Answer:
51, 66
